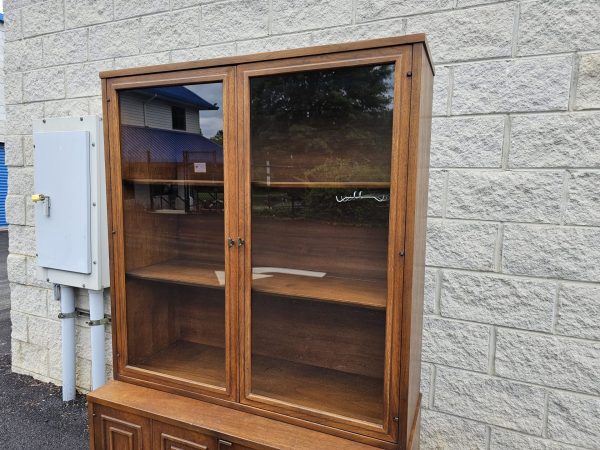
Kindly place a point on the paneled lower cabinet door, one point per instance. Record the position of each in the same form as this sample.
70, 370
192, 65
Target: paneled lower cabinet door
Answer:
168, 437
120, 431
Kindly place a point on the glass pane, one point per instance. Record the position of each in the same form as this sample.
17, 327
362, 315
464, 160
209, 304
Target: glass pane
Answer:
321, 155
173, 203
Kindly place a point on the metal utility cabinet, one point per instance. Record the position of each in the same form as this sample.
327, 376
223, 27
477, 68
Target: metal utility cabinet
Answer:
70, 202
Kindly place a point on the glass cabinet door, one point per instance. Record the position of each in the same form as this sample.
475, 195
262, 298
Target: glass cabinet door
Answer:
321, 154
175, 209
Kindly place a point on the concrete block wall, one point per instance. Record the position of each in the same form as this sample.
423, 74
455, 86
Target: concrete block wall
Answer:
2, 101
511, 343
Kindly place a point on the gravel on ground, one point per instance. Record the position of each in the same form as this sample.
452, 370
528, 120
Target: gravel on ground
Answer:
32, 414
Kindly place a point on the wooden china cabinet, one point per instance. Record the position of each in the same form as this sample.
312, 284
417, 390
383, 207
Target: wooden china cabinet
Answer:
267, 224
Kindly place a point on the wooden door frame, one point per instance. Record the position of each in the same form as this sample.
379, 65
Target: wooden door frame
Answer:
111, 111
401, 56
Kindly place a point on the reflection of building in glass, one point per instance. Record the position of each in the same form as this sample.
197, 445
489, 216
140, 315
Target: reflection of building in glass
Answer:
161, 136
161, 140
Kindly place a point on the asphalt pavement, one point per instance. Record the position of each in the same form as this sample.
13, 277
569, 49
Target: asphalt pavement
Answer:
32, 414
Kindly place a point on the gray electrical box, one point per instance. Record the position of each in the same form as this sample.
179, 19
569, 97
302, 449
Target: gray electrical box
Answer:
70, 201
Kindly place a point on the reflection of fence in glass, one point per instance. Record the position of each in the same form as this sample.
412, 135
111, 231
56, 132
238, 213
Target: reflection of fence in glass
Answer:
150, 153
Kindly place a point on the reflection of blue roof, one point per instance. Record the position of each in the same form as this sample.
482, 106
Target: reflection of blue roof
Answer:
164, 145
179, 94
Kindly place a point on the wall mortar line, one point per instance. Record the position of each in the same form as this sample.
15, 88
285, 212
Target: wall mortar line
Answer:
492, 352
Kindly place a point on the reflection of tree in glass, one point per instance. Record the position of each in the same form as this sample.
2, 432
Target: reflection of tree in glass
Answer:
315, 126
218, 138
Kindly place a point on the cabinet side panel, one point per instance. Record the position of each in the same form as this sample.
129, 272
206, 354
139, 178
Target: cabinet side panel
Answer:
418, 179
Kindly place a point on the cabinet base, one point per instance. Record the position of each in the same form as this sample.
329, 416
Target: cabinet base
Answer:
127, 416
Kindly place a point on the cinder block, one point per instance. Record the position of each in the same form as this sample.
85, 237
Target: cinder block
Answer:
505, 196
208, 52
83, 80
568, 253
28, 299
458, 244
538, 84
23, 55
588, 83
171, 31
467, 142
468, 34
558, 26
289, 15
443, 431
548, 360
583, 207
42, 18
574, 419
115, 39
13, 150
555, 140
456, 344
30, 357
68, 47
21, 240
579, 311
16, 267
81, 13
489, 399
130, 8
15, 209
20, 180
381, 9
234, 20
273, 43
437, 183
44, 84
498, 300
358, 32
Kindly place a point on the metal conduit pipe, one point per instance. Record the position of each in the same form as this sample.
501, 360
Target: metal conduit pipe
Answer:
67, 314
97, 324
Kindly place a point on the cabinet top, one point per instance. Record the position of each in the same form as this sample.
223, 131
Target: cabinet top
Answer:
280, 54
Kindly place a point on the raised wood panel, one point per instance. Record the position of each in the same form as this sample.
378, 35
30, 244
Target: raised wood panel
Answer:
169, 437
169, 442
117, 430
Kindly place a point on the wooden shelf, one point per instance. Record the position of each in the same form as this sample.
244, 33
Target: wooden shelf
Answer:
195, 362
324, 184
329, 289
181, 271
318, 388
333, 391
178, 182
368, 294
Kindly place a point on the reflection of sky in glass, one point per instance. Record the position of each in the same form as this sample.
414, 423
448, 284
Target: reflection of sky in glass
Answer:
210, 121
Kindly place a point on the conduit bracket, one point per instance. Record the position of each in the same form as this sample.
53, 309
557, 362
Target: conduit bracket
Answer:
70, 315
93, 323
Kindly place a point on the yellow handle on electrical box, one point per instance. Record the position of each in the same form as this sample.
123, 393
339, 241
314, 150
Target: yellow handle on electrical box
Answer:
38, 198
